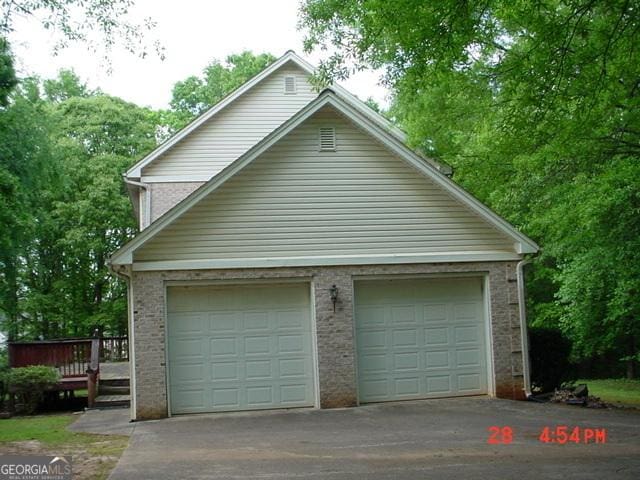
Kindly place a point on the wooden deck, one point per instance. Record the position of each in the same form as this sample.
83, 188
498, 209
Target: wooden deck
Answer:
78, 361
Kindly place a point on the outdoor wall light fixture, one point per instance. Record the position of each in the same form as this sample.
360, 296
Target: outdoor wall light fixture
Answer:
333, 293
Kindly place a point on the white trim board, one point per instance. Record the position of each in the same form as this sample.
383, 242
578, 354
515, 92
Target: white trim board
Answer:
135, 172
326, 261
522, 243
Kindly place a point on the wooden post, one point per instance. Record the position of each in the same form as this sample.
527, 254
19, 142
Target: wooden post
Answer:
93, 372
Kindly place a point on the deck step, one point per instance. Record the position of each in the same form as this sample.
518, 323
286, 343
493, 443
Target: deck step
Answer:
114, 381
113, 389
105, 401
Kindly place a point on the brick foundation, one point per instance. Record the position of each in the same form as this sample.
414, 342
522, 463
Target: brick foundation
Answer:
334, 330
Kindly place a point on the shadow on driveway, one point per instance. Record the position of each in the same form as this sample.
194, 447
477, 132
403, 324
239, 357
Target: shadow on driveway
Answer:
410, 440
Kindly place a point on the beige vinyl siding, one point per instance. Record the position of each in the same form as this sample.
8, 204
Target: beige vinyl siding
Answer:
297, 201
236, 128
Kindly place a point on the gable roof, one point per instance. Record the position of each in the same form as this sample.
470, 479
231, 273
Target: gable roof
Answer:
290, 56
327, 98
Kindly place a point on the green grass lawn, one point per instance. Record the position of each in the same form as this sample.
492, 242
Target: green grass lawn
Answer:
94, 456
615, 390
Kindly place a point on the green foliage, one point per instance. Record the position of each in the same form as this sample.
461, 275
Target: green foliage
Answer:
66, 86
30, 383
63, 149
98, 24
549, 354
61, 167
537, 108
8, 78
194, 95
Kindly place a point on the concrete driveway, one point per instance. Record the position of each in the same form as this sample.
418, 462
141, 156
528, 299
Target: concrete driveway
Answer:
410, 440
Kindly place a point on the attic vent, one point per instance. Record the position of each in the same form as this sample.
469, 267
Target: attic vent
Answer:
290, 85
327, 139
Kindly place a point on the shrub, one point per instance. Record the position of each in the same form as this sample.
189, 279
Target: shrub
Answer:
30, 383
549, 352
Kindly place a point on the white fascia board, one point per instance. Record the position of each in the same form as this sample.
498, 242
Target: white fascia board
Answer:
124, 254
355, 101
438, 257
136, 170
373, 115
327, 97
175, 178
526, 245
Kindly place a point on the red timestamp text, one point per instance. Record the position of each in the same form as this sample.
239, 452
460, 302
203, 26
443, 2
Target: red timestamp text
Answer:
559, 434
562, 434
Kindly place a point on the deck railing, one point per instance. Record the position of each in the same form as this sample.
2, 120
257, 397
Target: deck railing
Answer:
72, 358
114, 349
77, 358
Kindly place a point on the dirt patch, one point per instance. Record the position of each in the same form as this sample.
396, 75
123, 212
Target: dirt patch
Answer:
94, 461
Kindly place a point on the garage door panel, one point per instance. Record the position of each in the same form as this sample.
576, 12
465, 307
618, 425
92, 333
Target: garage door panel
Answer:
438, 385
294, 367
188, 348
248, 356
373, 316
255, 321
404, 338
224, 398
435, 313
224, 322
469, 383
406, 361
407, 387
259, 370
374, 363
223, 346
291, 320
402, 314
289, 344
257, 345
190, 324
374, 389
466, 311
294, 393
468, 358
436, 336
221, 371
372, 339
468, 334
191, 372
432, 343
191, 400
437, 359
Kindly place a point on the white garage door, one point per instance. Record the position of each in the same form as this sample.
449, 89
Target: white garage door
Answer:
420, 338
239, 347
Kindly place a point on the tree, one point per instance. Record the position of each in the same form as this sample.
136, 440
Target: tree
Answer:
66, 86
536, 105
26, 168
65, 151
194, 95
101, 137
98, 24
8, 78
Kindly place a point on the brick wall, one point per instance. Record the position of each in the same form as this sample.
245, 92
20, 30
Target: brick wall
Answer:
336, 354
164, 196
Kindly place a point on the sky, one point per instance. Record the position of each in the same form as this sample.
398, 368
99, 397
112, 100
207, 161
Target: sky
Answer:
193, 32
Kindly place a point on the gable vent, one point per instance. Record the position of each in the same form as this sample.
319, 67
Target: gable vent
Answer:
327, 139
289, 85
